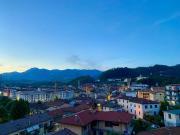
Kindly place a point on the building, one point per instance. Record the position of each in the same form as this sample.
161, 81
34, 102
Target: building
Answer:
44, 95
66, 94
130, 93
172, 118
92, 122
157, 94
139, 107
144, 94
32, 125
35, 96
162, 131
139, 86
111, 106
172, 94
154, 94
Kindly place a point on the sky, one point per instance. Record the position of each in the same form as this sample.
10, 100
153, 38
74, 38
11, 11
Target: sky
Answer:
88, 34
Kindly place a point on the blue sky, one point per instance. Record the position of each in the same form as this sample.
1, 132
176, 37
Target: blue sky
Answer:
91, 34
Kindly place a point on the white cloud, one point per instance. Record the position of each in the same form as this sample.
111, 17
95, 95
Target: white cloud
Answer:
164, 20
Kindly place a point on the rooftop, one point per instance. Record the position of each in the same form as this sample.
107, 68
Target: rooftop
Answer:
85, 117
23, 123
177, 112
138, 100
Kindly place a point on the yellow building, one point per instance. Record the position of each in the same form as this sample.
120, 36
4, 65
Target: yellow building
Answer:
144, 94
155, 94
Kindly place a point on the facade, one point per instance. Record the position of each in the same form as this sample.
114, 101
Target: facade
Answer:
66, 94
172, 94
91, 122
139, 86
144, 94
131, 93
44, 96
32, 125
152, 94
172, 118
157, 96
139, 107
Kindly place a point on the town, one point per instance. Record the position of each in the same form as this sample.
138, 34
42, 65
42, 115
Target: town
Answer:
111, 107
89, 67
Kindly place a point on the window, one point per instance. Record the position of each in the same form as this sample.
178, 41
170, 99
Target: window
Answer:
150, 106
127, 106
169, 116
108, 124
131, 110
155, 106
146, 107
154, 113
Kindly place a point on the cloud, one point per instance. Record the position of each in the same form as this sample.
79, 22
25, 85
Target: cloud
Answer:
164, 20
78, 62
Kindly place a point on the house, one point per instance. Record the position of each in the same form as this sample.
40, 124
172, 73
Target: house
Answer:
157, 94
139, 86
91, 122
111, 106
130, 93
172, 94
154, 94
172, 118
139, 107
34, 125
144, 94
162, 131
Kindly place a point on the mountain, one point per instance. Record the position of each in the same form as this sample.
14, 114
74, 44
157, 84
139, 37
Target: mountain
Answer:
36, 74
156, 70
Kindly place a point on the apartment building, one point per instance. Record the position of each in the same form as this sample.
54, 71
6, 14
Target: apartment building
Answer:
172, 94
172, 118
44, 96
139, 107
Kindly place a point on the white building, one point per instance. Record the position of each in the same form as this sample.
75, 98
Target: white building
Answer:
131, 93
172, 118
66, 94
172, 94
44, 96
139, 86
139, 107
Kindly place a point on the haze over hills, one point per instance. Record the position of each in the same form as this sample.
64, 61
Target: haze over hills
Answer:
36, 74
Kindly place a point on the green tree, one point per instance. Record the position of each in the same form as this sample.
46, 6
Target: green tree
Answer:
19, 109
164, 106
3, 115
140, 125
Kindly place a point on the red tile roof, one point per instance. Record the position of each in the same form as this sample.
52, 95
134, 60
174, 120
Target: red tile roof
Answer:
85, 117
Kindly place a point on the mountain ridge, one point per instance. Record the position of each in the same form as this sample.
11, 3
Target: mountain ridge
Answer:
37, 74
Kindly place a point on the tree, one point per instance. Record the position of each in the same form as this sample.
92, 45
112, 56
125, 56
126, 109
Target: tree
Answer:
19, 109
140, 125
3, 115
164, 106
